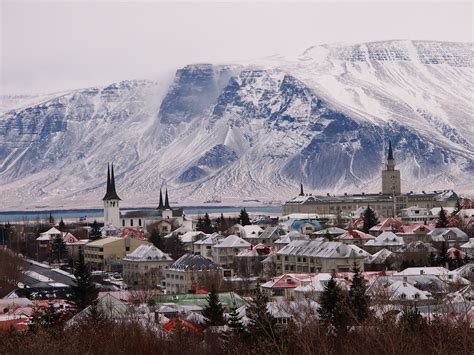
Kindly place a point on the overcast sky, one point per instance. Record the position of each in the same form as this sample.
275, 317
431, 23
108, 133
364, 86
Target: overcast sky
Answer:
52, 46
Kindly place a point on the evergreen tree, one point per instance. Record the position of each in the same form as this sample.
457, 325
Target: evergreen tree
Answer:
174, 246
262, 323
442, 221
58, 249
44, 318
244, 217
358, 299
207, 224
443, 255
333, 307
95, 231
457, 207
411, 319
199, 224
156, 239
222, 224
214, 311
234, 322
85, 291
62, 225
369, 218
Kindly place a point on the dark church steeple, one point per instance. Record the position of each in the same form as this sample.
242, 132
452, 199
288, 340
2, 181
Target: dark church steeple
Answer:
390, 152
301, 189
111, 193
160, 205
167, 202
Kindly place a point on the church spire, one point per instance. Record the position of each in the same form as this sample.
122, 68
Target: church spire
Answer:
301, 189
111, 193
167, 202
390, 152
160, 205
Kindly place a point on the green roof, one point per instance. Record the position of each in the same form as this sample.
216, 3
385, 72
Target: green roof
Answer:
227, 299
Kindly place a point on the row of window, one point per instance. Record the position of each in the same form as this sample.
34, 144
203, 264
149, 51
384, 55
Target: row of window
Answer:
131, 222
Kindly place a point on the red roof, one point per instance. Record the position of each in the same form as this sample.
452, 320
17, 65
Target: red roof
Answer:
17, 323
178, 322
355, 234
133, 233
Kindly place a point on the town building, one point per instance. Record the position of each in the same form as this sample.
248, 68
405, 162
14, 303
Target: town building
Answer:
106, 254
204, 246
386, 240
416, 214
353, 236
451, 236
316, 256
387, 203
145, 266
223, 253
189, 271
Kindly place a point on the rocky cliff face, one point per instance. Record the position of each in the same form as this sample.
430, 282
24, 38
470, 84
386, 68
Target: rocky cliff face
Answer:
252, 131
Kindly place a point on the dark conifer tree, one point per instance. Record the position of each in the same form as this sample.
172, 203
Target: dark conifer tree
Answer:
457, 207
95, 231
333, 306
369, 218
222, 226
199, 224
62, 225
214, 312
234, 322
58, 249
443, 255
411, 319
85, 292
207, 224
244, 217
156, 239
262, 324
442, 221
174, 246
45, 318
359, 301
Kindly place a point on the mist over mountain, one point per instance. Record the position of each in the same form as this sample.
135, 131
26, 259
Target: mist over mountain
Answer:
256, 130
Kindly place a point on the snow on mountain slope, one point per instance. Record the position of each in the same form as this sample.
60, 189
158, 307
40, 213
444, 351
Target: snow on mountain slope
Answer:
240, 131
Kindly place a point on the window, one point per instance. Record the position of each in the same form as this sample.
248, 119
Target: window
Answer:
304, 260
131, 223
403, 296
127, 248
140, 222
123, 223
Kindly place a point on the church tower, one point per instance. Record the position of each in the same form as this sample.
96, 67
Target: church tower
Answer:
111, 201
390, 176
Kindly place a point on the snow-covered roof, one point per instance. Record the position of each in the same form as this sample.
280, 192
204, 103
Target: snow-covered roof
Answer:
147, 252
360, 251
293, 235
191, 237
318, 248
232, 241
419, 246
193, 262
380, 256
252, 231
386, 239
331, 231
404, 290
469, 244
443, 234
211, 239
434, 270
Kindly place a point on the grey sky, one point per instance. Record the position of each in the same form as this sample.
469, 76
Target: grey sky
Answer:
50, 46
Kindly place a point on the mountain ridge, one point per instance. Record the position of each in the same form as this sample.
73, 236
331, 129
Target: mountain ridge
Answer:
234, 130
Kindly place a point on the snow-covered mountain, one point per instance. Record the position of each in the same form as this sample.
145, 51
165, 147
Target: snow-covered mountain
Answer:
251, 130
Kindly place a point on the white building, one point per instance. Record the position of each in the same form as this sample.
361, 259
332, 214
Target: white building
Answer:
145, 266
416, 214
223, 253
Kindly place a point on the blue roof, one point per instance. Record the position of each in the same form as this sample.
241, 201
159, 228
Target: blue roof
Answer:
296, 225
